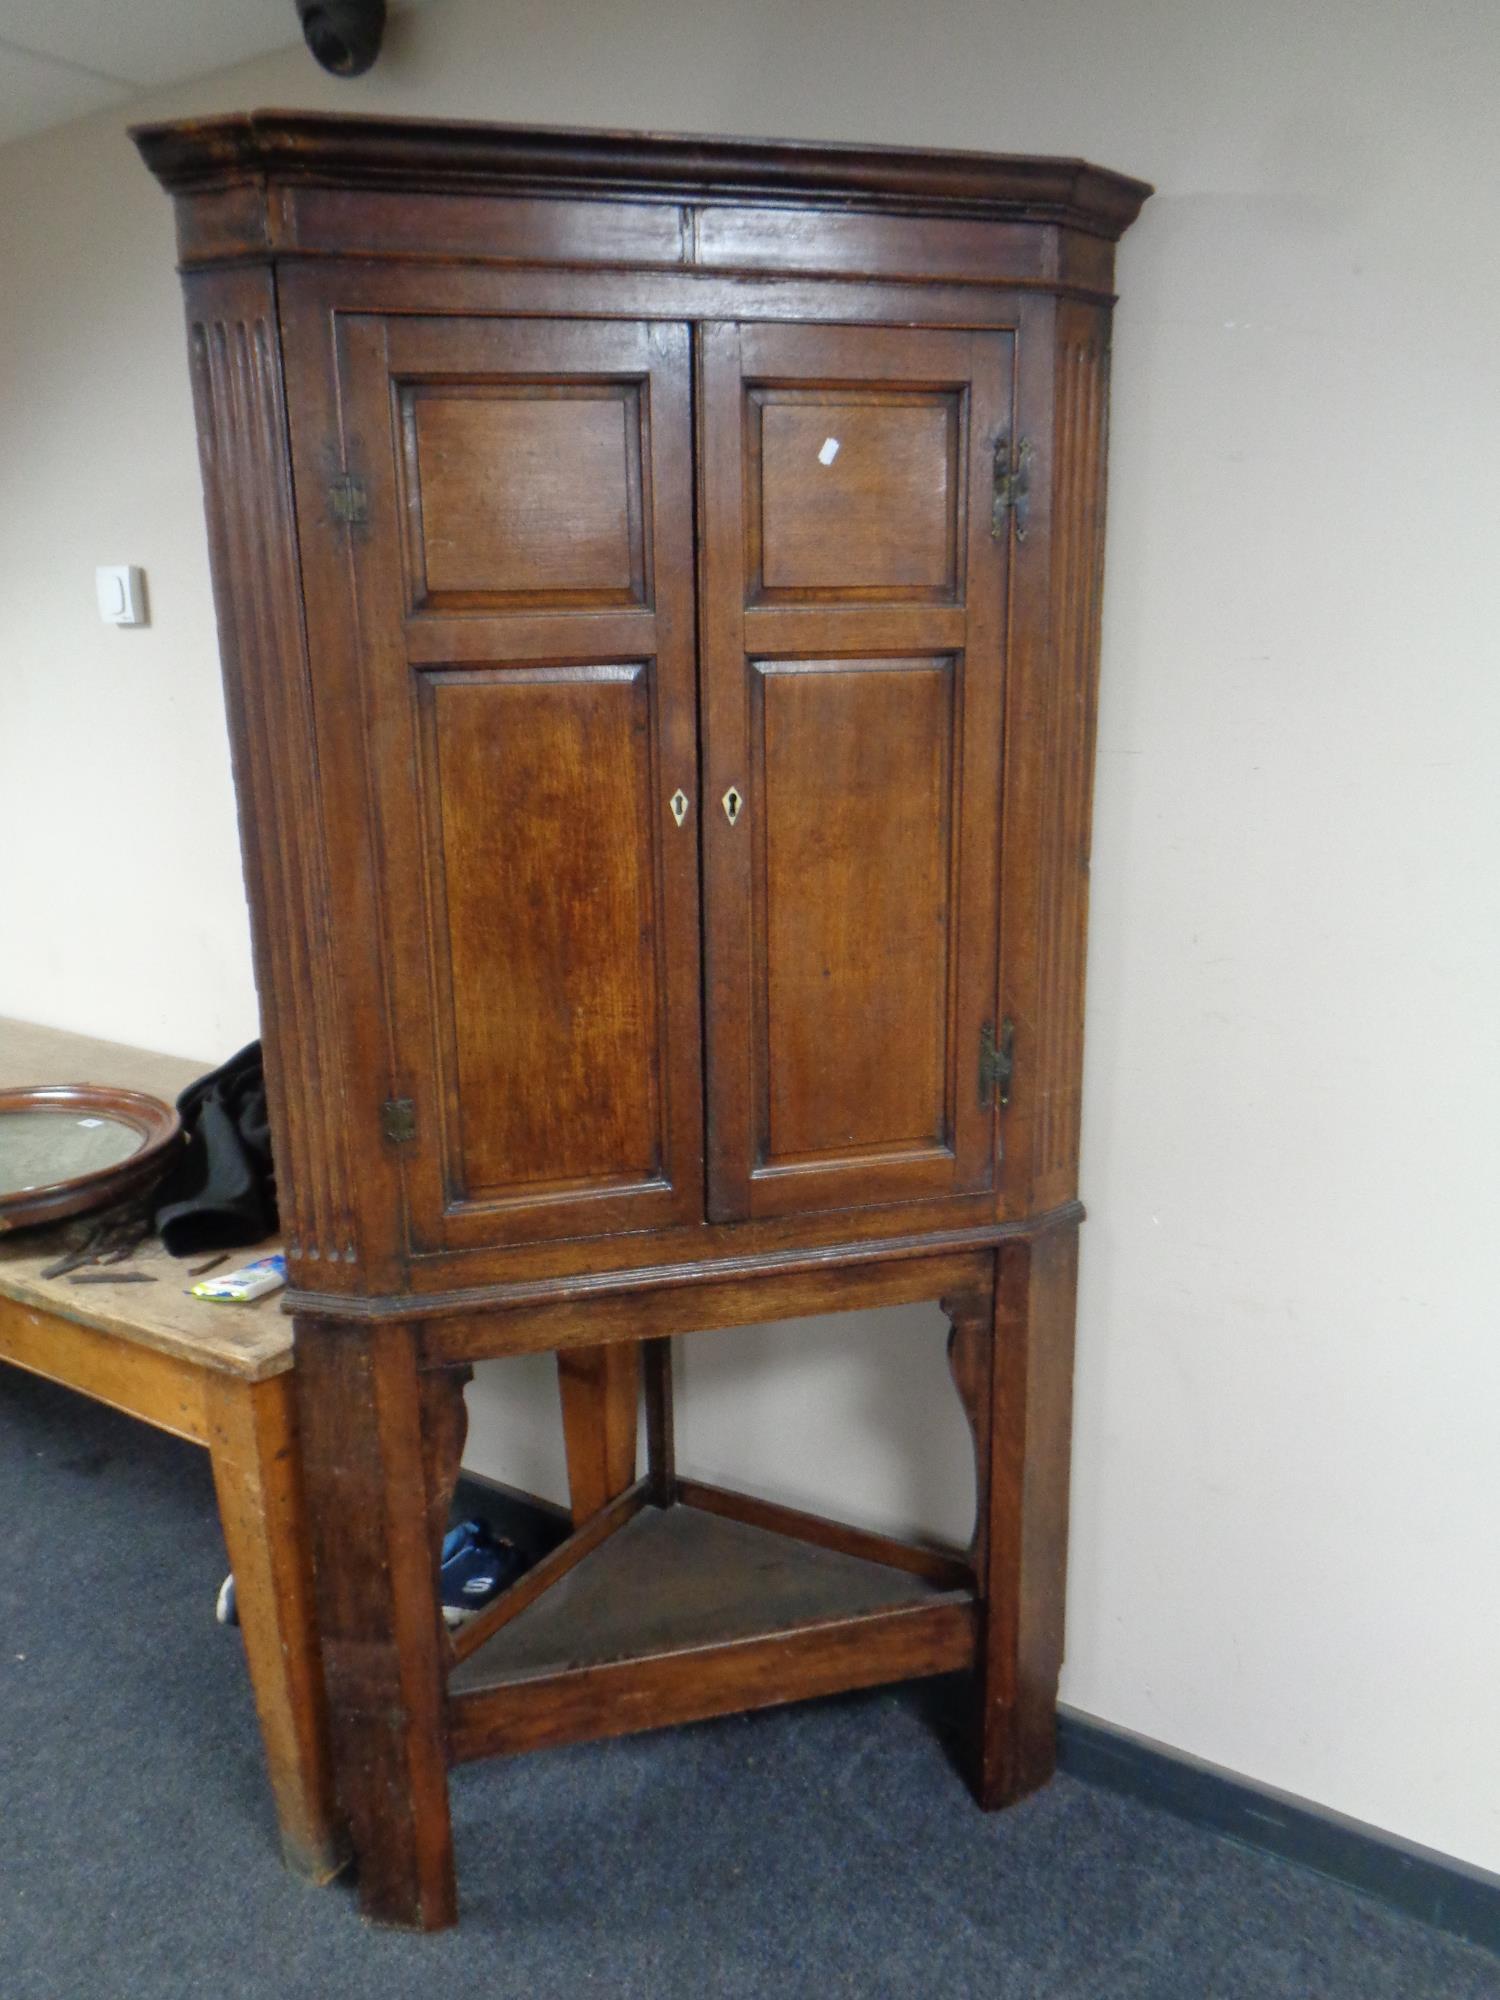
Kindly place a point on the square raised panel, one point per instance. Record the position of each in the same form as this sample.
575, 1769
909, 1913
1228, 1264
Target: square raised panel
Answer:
853, 494
524, 495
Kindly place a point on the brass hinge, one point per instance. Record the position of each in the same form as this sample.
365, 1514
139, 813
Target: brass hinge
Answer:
346, 499
398, 1120
997, 1061
1012, 486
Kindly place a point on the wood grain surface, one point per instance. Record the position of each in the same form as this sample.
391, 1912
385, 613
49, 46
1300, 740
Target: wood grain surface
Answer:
664, 730
251, 1341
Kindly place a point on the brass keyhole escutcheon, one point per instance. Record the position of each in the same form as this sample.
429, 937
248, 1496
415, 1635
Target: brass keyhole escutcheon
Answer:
732, 805
679, 802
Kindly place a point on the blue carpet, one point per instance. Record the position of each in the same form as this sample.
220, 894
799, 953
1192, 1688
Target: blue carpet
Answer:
821, 1851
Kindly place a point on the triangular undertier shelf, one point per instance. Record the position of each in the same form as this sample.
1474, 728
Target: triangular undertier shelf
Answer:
686, 1611
676, 1577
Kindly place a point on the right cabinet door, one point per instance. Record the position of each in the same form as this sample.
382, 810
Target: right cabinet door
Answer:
853, 617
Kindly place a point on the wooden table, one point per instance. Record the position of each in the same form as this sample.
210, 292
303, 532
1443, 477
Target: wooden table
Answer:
219, 1375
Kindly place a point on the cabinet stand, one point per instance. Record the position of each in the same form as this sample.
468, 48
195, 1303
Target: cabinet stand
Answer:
673, 1600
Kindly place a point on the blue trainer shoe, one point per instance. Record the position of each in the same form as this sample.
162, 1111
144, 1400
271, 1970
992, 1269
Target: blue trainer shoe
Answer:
476, 1566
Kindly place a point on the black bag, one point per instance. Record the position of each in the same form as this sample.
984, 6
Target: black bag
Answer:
221, 1190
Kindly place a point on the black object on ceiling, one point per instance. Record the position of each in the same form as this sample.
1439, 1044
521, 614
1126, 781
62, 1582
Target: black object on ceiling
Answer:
344, 35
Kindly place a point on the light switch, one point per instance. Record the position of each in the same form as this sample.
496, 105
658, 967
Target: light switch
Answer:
122, 594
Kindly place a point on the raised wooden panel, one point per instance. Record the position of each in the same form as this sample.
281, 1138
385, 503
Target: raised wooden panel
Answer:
523, 495
854, 894
852, 492
542, 854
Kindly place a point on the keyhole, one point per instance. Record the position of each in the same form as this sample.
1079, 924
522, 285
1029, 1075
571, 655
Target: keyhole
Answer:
732, 804
679, 804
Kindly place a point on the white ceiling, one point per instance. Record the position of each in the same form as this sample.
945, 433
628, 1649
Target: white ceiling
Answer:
61, 59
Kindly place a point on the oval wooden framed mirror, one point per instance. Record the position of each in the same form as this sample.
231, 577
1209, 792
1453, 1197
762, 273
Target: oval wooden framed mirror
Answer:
69, 1147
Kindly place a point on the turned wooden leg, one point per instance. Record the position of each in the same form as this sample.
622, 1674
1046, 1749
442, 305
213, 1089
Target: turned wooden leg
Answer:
380, 1454
600, 1390
1015, 1375
253, 1448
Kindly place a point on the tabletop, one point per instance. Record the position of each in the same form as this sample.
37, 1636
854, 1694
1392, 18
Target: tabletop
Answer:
252, 1340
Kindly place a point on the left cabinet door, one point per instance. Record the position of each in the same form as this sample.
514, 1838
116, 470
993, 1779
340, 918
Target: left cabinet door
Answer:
520, 594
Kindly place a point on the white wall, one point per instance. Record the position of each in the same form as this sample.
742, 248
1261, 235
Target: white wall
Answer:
1287, 1486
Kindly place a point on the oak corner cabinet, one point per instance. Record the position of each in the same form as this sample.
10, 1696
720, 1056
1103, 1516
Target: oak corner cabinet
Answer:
658, 587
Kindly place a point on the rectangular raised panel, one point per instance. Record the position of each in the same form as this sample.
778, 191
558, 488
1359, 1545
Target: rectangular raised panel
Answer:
524, 494
854, 763
543, 863
852, 493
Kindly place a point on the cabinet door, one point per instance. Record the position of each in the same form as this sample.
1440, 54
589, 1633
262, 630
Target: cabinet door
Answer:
524, 592
853, 611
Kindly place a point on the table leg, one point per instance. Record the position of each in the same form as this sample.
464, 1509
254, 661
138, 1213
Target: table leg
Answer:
252, 1443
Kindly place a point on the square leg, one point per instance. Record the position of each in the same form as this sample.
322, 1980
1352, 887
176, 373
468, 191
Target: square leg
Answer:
600, 1390
1014, 1369
253, 1448
381, 1451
